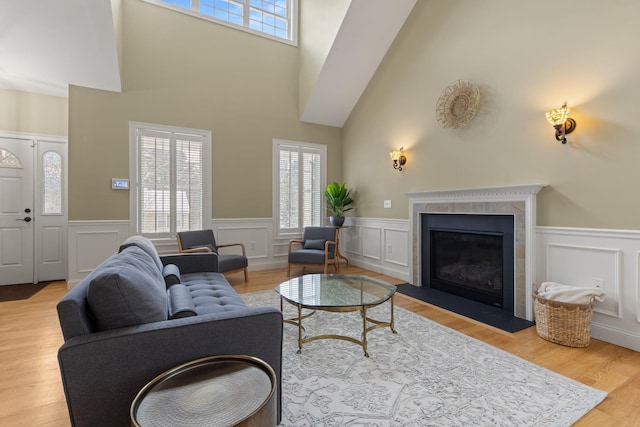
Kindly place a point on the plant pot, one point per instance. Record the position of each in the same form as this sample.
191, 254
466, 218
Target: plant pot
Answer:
336, 221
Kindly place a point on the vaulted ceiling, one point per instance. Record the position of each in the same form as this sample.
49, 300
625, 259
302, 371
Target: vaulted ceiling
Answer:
46, 45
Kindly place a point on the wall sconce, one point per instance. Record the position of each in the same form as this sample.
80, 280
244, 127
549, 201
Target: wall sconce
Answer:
561, 121
398, 158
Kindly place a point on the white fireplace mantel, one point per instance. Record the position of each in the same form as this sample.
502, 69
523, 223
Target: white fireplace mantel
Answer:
480, 200
509, 192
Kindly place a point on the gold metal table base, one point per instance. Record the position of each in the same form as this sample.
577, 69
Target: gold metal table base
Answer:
363, 313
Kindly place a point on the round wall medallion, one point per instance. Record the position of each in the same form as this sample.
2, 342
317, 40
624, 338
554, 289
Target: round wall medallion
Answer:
458, 104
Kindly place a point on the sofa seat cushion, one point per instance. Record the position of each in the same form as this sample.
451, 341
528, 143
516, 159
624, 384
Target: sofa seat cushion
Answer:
211, 293
127, 290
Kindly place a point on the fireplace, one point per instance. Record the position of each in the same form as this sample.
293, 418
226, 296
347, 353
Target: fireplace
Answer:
517, 202
469, 257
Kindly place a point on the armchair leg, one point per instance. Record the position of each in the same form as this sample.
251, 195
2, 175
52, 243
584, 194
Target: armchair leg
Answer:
246, 274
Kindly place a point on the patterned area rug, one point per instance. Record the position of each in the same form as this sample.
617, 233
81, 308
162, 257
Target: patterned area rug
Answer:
425, 375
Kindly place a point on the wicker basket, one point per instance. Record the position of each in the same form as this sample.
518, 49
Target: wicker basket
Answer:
563, 323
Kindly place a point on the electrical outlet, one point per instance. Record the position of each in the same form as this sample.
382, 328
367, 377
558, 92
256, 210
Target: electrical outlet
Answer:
253, 245
597, 282
389, 249
387, 204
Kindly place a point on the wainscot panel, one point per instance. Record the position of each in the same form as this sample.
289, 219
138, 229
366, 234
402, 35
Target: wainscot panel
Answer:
90, 243
594, 257
380, 245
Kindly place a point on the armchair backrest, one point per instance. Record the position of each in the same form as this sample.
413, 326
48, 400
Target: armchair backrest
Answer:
197, 238
320, 233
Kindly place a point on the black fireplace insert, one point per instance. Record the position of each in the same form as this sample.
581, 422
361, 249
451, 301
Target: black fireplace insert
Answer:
470, 256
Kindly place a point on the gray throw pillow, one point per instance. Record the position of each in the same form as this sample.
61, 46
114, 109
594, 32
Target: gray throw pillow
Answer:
315, 244
128, 290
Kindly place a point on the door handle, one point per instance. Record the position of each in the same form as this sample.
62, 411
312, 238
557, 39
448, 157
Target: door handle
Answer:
25, 219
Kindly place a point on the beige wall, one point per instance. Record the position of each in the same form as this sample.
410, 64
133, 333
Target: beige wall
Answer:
526, 57
187, 72
33, 113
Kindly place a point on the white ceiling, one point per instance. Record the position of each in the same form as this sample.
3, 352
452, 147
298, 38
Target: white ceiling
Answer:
368, 29
45, 45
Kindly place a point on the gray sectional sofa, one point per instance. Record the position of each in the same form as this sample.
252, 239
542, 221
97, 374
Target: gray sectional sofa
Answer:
138, 315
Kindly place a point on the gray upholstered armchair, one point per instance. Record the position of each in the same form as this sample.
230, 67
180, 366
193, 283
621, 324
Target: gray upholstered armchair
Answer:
318, 246
204, 241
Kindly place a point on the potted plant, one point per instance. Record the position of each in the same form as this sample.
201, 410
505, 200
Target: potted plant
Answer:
338, 201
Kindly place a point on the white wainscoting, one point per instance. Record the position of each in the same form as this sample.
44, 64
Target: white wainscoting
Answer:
593, 257
380, 245
575, 256
90, 243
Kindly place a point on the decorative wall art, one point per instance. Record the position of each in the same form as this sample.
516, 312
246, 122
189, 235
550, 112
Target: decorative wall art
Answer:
458, 104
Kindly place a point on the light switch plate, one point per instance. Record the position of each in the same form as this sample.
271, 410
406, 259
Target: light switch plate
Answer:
387, 204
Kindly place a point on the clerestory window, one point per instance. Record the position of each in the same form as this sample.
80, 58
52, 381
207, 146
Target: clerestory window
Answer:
275, 19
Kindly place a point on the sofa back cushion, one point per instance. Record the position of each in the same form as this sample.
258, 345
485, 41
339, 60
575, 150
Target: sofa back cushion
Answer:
144, 244
128, 290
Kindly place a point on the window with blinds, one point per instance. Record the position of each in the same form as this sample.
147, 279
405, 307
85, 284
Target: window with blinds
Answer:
299, 182
171, 180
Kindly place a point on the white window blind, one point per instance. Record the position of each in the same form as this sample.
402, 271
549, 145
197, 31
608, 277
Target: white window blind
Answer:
171, 181
299, 185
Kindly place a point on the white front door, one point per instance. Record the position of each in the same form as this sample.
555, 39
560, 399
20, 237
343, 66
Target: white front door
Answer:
16, 211
33, 209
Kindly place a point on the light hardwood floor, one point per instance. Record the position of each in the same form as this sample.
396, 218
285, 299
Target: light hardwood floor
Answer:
31, 390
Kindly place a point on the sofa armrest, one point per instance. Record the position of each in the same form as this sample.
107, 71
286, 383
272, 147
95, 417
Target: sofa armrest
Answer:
193, 262
102, 372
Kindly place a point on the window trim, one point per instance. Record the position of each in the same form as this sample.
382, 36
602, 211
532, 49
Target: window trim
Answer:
293, 9
134, 205
277, 143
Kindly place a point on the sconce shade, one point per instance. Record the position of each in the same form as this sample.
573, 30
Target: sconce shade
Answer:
398, 158
559, 116
395, 155
561, 121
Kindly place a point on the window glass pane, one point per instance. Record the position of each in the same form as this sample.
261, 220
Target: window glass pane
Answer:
281, 10
189, 185
289, 189
312, 192
155, 197
52, 183
263, 15
9, 160
235, 9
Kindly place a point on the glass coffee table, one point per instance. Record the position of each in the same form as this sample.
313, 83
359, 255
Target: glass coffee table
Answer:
337, 293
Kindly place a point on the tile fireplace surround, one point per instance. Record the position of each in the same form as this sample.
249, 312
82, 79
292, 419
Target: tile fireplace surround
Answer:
517, 200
